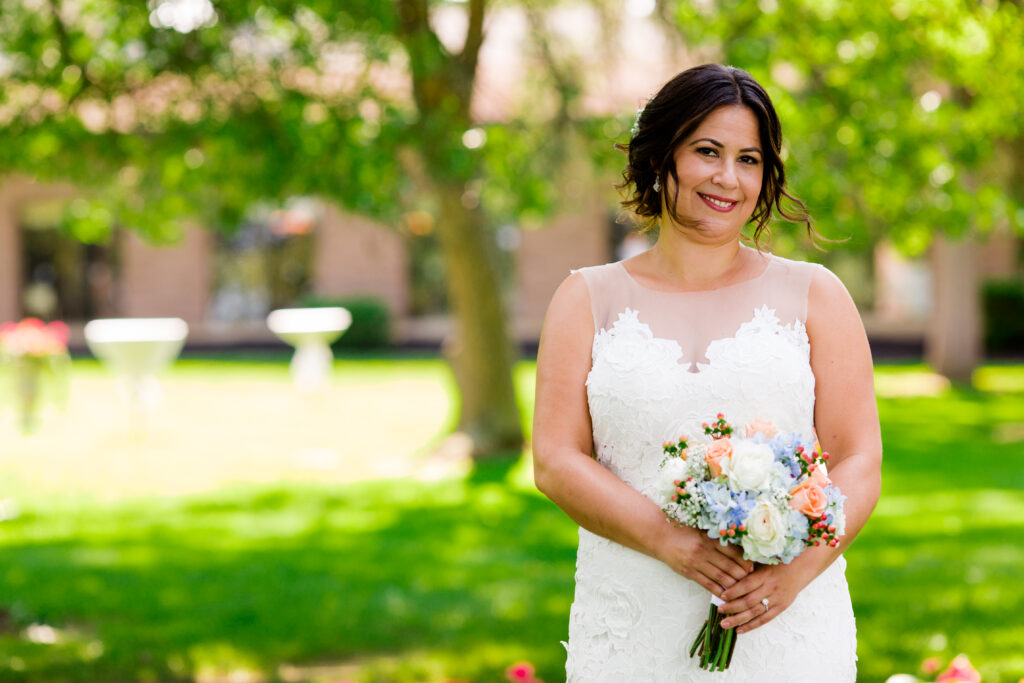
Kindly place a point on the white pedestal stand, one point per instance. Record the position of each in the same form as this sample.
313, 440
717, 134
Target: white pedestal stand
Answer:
311, 331
136, 349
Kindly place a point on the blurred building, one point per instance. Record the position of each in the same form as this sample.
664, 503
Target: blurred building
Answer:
224, 286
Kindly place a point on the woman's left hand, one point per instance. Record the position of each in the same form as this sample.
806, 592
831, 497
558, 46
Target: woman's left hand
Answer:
779, 584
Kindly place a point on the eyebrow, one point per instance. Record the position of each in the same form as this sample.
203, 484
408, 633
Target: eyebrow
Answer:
718, 144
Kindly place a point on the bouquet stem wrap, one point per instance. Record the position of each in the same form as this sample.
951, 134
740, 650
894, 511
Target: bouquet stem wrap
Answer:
714, 645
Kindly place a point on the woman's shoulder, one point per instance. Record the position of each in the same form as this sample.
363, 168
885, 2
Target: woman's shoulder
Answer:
815, 275
598, 277
807, 277
601, 270
796, 267
587, 283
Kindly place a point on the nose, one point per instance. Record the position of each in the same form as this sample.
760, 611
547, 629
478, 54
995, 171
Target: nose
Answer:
725, 177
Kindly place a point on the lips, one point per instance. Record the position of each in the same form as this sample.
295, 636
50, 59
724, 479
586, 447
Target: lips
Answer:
720, 204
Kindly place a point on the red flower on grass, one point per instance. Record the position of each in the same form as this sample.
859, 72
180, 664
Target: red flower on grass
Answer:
959, 671
522, 672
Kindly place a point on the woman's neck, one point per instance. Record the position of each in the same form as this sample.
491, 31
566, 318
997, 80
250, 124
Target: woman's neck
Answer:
692, 265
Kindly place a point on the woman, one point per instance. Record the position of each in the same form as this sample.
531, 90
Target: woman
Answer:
642, 351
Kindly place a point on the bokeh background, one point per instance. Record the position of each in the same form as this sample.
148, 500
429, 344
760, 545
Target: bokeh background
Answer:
437, 168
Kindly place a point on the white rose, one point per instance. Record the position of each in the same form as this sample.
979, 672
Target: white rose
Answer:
673, 470
766, 530
750, 467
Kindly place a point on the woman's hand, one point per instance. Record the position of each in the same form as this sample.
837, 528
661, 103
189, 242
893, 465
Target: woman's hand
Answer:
778, 583
691, 553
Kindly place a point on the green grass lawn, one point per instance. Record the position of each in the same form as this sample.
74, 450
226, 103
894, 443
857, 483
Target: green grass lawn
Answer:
251, 534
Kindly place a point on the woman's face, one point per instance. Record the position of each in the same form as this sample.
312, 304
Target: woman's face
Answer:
719, 169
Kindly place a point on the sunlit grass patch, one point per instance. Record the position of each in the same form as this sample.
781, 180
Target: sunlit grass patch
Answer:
1000, 378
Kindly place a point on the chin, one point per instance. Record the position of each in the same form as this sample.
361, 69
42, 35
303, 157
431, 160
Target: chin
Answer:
710, 232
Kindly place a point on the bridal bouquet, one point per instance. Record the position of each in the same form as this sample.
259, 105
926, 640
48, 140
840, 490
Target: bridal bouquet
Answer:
768, 493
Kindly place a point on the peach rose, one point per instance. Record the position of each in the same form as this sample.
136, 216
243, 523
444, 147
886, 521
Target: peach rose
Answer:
819, 475
717, 455
808, 498
760, 426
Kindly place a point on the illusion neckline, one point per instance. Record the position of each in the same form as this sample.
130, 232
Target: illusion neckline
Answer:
770, 257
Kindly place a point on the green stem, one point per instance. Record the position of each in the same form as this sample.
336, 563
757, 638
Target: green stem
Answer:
732, 648
708, 635
699, 639
714, 645
726, 649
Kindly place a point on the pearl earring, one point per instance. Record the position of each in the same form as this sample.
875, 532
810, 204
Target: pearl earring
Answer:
657, 185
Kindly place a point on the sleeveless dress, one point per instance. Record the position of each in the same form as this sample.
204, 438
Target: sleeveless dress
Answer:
663, 363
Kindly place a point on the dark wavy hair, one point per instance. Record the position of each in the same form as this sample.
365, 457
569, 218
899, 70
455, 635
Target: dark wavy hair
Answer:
673, 114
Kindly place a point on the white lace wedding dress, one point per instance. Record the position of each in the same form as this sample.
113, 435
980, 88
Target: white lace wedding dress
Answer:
663, 363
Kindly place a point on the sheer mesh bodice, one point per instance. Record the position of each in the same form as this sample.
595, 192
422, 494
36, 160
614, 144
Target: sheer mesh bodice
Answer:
663, 363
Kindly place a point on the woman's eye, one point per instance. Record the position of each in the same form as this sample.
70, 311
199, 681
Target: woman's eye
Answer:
753, 161
707, 151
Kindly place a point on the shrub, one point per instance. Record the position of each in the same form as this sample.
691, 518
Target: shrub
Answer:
371, 320
1004, 315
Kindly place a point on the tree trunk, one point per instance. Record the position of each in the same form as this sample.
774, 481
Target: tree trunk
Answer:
953, 344
481, 352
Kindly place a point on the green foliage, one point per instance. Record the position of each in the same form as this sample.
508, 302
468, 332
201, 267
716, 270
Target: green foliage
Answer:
163, 125
1004, 315
890, 109
371, 320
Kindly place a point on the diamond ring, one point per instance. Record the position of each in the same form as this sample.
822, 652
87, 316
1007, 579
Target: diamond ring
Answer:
764, 601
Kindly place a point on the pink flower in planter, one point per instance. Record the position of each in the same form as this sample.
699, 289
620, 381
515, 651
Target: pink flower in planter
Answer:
33, 338
931, 665
959, 671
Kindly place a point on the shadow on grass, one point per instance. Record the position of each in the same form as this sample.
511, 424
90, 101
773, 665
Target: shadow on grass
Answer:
475, 572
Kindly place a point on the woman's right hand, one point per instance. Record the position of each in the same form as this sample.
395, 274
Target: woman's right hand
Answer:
693, 554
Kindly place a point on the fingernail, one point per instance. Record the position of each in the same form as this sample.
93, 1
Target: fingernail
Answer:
726, 624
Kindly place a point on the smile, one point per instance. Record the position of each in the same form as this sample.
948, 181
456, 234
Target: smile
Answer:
717, 203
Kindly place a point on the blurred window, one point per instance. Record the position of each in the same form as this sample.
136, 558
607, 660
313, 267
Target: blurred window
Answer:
61, 277
265, 264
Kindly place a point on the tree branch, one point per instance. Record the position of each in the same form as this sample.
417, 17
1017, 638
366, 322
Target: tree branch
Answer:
412, 17
426, 54
474, 36
65, 52
566, 87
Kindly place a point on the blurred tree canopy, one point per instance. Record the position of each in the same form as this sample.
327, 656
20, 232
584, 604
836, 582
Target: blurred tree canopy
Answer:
181, 108
901, 117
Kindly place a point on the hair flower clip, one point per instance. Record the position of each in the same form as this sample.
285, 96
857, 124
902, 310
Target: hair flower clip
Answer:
636, 121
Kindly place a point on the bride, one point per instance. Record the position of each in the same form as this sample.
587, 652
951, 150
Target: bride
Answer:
643, 351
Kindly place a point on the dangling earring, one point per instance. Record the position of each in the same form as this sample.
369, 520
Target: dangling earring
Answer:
657, 185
